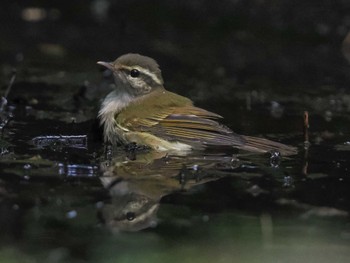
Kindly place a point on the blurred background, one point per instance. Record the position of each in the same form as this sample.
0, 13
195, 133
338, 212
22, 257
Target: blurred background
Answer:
258, 63
211, 52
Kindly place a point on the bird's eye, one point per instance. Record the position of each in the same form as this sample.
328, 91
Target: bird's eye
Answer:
134, 73
130, 216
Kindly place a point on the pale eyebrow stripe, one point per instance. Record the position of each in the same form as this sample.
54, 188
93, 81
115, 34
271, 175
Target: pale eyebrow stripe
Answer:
146, 72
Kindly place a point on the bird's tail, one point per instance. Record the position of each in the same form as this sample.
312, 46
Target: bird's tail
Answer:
261, 145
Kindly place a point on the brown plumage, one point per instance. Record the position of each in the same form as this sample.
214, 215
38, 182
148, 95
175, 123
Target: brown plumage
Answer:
140, 110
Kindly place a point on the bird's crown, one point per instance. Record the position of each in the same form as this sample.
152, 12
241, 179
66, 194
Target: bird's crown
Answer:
139, 66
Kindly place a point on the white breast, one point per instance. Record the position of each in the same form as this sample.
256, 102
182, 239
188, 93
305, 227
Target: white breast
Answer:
112, 105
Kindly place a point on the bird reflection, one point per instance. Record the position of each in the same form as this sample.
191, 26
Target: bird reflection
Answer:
137, 186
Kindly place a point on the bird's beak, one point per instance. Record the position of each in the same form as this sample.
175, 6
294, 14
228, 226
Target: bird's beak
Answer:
108, 65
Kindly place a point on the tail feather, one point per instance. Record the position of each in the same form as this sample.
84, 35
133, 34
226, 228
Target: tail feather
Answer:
261, 145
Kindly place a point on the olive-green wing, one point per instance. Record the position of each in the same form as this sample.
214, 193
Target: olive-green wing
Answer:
174, 118
192, 124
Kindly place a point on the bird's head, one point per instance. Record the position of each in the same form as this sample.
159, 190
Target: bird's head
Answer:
135, 74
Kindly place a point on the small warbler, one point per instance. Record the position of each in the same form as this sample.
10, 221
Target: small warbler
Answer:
140, 110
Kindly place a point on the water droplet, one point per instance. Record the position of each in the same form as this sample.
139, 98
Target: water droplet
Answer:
29, 109
276, 110
27, 166
288, 181
205, 218
256, 190
197, 172
3, 150
80, 170
328, 116
153, 223
109, 152
275, 158
234, 162
61, 169
71, 214
59, 201
99, 204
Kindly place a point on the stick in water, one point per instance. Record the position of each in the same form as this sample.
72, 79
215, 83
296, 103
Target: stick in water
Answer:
306, 128
3, 102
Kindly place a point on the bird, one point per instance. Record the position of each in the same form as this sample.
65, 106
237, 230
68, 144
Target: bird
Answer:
139, 110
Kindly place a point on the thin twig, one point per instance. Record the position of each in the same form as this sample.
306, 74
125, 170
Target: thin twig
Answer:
12, 80
3, 100
306, 142
306, 129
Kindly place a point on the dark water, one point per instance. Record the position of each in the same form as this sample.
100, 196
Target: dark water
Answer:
67, 197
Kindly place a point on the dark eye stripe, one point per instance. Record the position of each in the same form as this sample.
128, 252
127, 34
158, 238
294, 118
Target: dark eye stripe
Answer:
147, 79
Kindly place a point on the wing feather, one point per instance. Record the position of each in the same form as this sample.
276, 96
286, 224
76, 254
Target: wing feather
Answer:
175, 118
197, 128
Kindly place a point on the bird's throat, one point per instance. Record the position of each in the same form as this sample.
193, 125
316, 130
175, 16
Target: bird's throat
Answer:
113, 104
